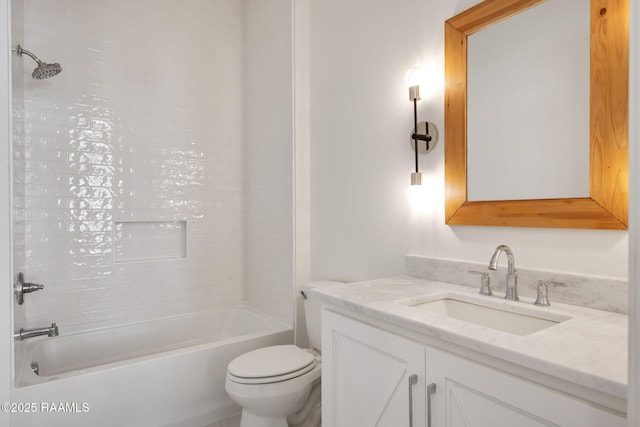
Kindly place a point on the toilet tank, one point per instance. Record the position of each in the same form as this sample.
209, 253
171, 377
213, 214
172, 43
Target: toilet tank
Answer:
312, 311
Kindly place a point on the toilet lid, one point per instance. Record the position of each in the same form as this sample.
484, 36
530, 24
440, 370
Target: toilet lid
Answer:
272, 361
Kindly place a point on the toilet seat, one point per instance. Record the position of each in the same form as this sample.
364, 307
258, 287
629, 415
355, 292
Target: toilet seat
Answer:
271, 364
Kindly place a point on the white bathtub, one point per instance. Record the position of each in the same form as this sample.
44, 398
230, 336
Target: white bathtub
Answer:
167, 372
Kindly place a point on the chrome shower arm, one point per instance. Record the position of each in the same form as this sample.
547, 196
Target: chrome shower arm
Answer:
20, 51
43, 70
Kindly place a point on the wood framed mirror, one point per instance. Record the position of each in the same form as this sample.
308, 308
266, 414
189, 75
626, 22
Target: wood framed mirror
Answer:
606, 207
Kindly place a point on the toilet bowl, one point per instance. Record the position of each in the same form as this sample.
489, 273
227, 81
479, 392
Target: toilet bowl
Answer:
272, 383
272, 392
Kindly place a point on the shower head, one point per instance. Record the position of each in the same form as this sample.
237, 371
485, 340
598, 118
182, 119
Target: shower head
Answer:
43, 70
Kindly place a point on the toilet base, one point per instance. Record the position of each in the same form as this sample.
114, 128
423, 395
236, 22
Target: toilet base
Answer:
252, 420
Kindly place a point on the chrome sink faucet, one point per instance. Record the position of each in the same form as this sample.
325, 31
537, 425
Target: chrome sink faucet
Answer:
512, 278
51, 331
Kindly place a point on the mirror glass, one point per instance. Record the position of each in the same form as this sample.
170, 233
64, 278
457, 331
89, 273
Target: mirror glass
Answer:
528, 105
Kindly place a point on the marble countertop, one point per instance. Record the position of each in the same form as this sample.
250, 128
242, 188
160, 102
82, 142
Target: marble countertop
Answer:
590, 349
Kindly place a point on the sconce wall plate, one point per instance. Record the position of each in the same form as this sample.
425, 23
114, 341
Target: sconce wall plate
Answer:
422, 145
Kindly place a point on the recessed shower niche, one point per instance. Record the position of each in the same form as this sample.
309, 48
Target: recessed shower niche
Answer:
149, 240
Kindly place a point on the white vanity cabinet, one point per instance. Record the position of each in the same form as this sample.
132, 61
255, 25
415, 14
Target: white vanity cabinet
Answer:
367, 371
366, 375
469, 394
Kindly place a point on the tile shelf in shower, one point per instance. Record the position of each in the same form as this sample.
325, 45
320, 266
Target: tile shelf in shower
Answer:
150, 240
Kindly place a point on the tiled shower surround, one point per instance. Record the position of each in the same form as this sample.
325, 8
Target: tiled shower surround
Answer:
143, 196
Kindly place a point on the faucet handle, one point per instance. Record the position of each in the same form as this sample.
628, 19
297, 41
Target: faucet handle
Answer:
543, 289
21, 287
485, 282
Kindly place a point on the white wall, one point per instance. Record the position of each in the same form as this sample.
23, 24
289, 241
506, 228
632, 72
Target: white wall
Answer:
269, 228
302, 180
361, 223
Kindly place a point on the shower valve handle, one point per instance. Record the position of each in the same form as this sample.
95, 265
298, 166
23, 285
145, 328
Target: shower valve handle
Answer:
21, 288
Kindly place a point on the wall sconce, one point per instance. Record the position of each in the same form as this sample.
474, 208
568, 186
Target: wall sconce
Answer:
422, 140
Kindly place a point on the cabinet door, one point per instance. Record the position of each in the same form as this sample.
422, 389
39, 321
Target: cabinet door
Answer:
366, 375
472, 395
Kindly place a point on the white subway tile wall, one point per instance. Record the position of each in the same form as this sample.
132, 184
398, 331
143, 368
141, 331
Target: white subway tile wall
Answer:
17, 129
146, 125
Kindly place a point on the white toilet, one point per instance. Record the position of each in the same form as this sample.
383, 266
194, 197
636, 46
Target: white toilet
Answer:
272, 383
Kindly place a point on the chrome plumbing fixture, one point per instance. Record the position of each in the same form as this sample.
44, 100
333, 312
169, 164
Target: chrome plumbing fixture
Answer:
43, 70
23, 334
485, 282
20, 288
511, 292
543, 288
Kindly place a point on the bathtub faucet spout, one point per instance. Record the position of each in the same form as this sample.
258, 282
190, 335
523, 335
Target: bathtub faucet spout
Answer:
51, 331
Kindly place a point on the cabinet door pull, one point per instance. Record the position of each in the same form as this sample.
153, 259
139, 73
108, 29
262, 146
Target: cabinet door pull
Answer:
413, 379
431, 389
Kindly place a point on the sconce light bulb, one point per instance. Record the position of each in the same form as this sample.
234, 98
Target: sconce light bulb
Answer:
414, 93
416, 178
418, 198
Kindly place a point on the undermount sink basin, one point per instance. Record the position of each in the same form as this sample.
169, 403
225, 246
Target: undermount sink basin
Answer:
492, 313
